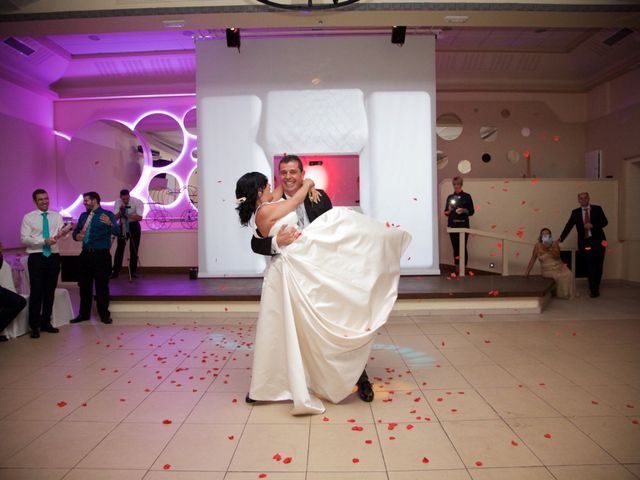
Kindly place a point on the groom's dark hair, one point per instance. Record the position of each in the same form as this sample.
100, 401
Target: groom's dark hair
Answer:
292, 158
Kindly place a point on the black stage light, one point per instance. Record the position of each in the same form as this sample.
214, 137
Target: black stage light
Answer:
233, 38
398, 34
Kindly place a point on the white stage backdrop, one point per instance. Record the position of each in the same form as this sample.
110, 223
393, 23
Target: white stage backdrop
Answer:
335, 95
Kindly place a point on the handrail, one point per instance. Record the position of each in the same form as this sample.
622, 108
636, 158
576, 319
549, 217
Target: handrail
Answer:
505, 258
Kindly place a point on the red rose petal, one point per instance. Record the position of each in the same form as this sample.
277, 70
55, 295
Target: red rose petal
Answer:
392, 438
262, 475
547, 435
166, 466
368, 442
355, 460
351, 420
62, 404
409, 427
277, 457
594, 402
391, 426
287, 460
325, 419
514, 443
425, 460
478, 463
357, 428
166, 421
231, 437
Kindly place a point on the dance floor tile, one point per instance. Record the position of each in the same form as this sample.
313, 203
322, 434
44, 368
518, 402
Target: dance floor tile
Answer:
62, 446
434, 377
187, 379
623, 398
573, 401
592, 472
161, 406
617, 435
346, 476
344, 447
445, 341
470, 356
435, 475
129, 446
13, 399
33, 473
488, 376
411, 446
232, 380
391, 379
276, 413
536, 374
489, 443
220, 408
270, 475
17, 434
141, 378
459, 405
275, 448
519, 473
351, 410
555, 441
96, 474
200, 447
402, 407
52, 405
517, 402
107, 406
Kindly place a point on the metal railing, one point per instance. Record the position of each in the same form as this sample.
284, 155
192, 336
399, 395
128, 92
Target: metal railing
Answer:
505, 250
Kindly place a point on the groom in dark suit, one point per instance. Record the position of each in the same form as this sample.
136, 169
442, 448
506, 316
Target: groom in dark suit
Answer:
291, 173
589, 221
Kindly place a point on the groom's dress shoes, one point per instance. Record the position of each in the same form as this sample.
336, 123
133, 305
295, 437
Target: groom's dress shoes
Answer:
365, 391
78, 319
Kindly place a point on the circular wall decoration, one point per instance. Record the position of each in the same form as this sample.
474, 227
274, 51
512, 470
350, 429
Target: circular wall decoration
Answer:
442, 159
489, 134
486, 158
526, 131
464, 166
448, 126
513, 156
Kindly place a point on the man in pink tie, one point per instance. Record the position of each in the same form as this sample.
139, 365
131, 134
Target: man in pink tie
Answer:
589, 221
40, 231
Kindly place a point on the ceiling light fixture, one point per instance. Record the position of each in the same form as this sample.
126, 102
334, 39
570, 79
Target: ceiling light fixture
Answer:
308, 4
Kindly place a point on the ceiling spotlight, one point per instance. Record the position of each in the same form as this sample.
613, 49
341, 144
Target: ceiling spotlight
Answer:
233, 38
398, 35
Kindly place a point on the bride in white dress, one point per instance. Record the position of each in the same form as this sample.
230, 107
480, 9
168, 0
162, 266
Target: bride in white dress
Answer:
323, 297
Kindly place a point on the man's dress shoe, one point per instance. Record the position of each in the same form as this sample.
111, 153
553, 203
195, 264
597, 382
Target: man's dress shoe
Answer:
35, 333
49, 329
108, 320
365, 391
78, 319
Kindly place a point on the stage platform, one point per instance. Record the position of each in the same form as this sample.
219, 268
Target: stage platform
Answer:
172, 295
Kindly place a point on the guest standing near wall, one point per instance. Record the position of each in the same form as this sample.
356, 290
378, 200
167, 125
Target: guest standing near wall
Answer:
94, 230
458, 208
589, 221
128, 211
40, 231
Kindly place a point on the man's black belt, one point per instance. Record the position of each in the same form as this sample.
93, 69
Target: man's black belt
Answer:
94, 250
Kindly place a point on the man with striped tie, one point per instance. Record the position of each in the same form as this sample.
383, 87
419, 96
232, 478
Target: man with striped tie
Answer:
94, 229
40, 231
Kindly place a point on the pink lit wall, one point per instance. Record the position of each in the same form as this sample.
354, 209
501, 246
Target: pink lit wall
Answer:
28, 156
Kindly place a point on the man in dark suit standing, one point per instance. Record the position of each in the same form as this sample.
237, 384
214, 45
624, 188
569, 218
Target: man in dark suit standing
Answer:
589, 221
291, 173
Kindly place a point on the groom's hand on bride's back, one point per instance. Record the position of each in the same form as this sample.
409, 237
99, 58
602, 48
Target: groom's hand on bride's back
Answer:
286, 235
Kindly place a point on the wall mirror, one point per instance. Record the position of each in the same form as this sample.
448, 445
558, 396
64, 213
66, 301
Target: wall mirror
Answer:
192, 188
513, 156
103, 157
190, 122
441, 159
489, 134
164, 189
163, 137
449, 126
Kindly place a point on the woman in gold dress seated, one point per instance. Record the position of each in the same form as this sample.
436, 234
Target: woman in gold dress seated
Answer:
548, 252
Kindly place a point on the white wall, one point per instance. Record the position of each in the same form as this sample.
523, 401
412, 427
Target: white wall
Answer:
351, 95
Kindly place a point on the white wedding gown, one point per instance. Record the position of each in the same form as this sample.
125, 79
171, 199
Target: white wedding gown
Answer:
323, 298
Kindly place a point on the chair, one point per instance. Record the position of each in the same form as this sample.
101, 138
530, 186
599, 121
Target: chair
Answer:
20, 324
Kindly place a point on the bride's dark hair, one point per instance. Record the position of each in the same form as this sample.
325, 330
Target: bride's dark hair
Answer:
247, 188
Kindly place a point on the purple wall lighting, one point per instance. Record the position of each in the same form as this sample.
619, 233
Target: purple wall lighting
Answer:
154, 155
